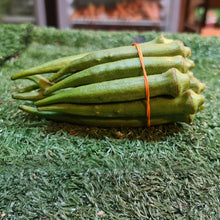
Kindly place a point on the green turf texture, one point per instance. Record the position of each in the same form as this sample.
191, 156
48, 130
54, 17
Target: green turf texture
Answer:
54, 170
14, 39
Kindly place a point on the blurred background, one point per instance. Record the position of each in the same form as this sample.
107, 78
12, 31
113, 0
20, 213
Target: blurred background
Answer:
194, 16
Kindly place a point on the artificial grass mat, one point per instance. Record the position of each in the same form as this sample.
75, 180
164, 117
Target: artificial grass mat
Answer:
54, 170
13, 39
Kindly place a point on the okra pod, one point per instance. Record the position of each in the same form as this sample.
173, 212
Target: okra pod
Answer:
51, 66
170, 83
187, 103
30, 96
126, 52
195, 84
41, 81
28, 88
107, 122
122, 69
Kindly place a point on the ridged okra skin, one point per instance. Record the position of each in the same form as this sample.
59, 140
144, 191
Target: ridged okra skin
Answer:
109, 55
170, 83
195, 84
122, 69
51, 66
107, 122
187, 103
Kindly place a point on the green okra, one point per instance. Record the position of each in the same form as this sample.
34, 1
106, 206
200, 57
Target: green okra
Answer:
126, 52
187, 103
30, 96
170, 83
195, 84
41, 81
56, 64
107, 122
36, 86
122, 69
48, 67
28, 88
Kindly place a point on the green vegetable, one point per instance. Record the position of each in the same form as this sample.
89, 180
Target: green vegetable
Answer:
126, 52
170, 83
187, 103
31, 96
28, 88
57, 64
195, 84
48, 67
106, 88
107, 122
42, 82
160, 40
122, 69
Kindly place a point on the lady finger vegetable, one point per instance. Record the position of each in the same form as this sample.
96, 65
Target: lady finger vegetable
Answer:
188, 103
57, 64
106, 122
170, 83
110, 55
195, 84
122, 69
106, 88
42, 82
51, 66
31, 96
28, 88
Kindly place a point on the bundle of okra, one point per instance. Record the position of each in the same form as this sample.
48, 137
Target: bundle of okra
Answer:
106, 87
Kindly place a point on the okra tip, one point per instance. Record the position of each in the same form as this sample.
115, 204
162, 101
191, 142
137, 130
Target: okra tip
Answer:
27, 108
15, 96
201, 107
31, 96
187, 52
196, 100
189, 64
191, 118
202, 87
21, 107
20, 75
13, 77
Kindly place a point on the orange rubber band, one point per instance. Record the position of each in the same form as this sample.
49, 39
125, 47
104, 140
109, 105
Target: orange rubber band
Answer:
145, 81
